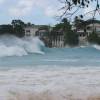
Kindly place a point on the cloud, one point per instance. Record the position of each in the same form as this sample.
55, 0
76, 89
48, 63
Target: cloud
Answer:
52, 12
49, 11
24, 7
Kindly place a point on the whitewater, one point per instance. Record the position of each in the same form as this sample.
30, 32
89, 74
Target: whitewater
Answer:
14, 46
30, 71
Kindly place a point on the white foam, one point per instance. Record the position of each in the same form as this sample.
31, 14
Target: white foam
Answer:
52, 84
83, 46
61, 60
96, 47
14, 46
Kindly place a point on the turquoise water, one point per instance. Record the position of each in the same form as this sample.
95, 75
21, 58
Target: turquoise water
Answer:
74, 72
30, 51
76, 57
30, 71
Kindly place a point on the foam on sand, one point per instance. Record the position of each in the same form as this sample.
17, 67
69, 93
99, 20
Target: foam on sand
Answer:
51, 84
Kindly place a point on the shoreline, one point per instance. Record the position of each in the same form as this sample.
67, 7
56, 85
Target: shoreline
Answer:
52, 84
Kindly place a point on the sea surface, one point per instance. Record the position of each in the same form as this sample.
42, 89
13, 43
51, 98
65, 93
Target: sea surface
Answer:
30, 71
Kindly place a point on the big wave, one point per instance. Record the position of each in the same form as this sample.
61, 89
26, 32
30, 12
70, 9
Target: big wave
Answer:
13, 46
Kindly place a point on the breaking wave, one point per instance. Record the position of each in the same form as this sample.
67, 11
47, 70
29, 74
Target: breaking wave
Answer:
96, 47
13, 46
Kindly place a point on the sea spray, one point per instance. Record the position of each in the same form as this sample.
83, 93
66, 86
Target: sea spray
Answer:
13, 46
96, 47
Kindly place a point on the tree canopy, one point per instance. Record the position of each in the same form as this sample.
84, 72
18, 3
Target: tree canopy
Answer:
6, 29
15, 28
94, 38
70, 37
18, 27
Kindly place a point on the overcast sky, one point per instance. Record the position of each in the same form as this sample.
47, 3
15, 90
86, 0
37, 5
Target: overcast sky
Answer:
35, 11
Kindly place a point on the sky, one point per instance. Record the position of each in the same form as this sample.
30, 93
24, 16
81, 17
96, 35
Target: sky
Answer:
34, 11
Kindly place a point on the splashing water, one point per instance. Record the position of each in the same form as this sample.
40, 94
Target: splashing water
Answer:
96, 47
14, 46
60, 74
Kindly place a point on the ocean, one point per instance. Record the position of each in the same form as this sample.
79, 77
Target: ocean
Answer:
30, 71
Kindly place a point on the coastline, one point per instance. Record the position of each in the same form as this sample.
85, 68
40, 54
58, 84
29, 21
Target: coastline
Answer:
52, 84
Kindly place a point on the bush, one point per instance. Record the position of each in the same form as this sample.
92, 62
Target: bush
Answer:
19, 31
94, 39
4, 29
71, 38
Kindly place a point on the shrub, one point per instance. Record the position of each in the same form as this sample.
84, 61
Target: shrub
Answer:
93, 38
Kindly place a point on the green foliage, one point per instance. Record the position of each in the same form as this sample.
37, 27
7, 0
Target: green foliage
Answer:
57, 27
19, 31
5, 29
15, 28
44, 27
17, 23
93, 38
66, 24
70, 37
79, 23
18, 27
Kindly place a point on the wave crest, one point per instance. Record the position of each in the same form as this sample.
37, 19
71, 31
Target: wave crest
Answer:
96, 47
13, 46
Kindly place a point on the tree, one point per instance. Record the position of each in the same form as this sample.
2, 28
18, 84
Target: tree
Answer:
78, 23
6, 29
15, 28
71, 38
63, 25
17, 22
19, 31
70, 7
66, 24
57, 27
44, 27
18, 27
93, 38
